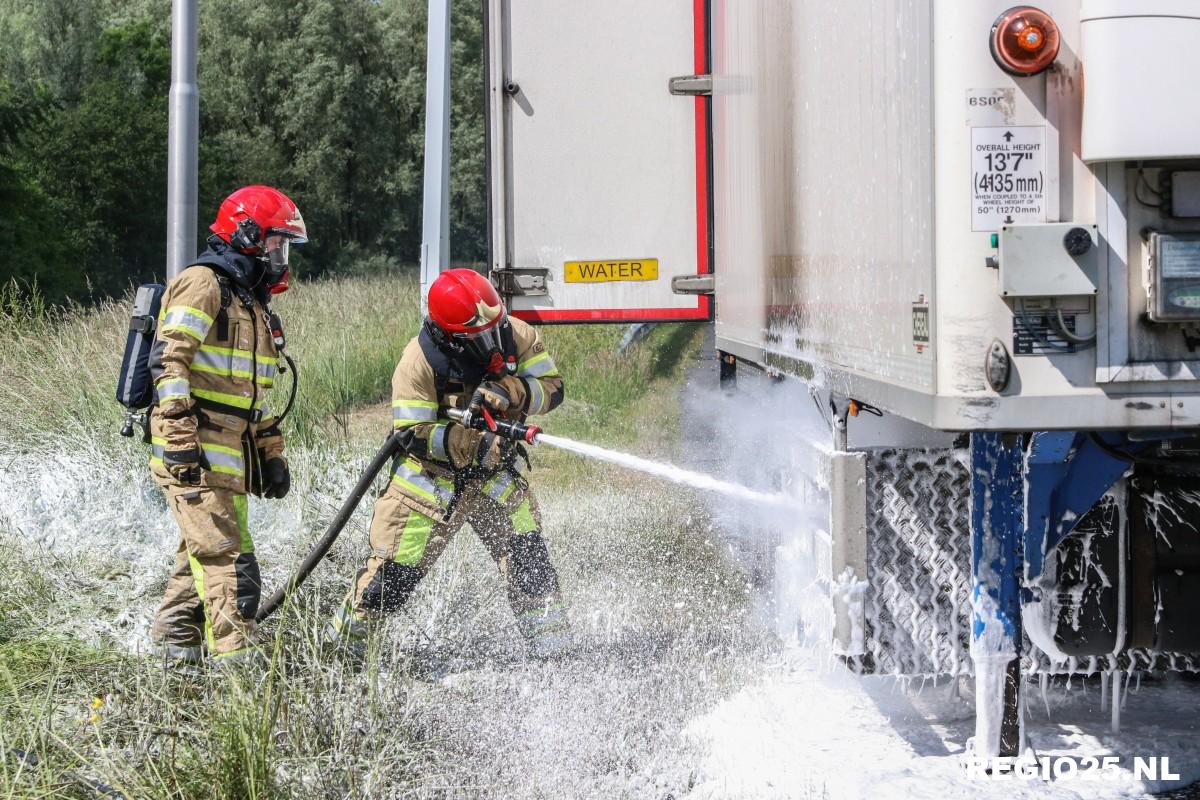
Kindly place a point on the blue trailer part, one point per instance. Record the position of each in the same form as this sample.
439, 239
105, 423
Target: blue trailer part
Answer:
1024, 504
997, 528
1066, 474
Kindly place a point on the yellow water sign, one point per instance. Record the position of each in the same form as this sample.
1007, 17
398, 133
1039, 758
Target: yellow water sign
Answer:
633, 269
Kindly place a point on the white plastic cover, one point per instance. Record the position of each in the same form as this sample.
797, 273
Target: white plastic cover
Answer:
1140, 59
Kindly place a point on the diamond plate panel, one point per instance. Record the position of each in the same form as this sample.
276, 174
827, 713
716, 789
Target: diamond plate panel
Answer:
919, 563
919, 574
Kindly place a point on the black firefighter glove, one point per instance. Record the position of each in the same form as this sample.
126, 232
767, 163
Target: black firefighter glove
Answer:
277, 479
184, 465
491, 451
503, 394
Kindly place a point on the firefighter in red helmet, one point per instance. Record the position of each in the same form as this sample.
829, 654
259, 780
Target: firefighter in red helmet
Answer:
468, 350
214, 438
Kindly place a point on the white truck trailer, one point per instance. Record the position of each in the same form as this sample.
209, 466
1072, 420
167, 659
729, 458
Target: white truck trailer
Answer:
980, 218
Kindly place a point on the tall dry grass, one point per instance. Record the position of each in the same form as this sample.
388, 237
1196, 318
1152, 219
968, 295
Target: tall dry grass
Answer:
58, 366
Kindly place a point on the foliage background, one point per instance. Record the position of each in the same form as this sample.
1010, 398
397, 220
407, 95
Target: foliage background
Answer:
322, 98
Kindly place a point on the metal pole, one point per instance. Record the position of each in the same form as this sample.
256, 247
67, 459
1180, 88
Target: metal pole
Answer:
997, 532
183, 135
435, 227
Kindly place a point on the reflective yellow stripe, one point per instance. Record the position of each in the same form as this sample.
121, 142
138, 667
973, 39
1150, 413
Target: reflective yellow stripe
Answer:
235, 400
417, 490
224, 351
406, 413
537, 396
542, 623
267, 369
174, 389
347, 623
414, 404
228, 361
540, 366
222, 370
243, 518
226, 460
501, 487
411, 547
437, 442
522, 519
539, 620
407, 475
193, 311
198, 579
191, 321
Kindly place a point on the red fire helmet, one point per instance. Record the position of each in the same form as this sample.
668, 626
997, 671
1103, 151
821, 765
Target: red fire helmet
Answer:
469, 311
461, 301
263, 221
270, 209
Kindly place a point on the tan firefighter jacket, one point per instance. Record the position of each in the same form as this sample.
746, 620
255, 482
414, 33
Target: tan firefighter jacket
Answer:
216, 365
437, 446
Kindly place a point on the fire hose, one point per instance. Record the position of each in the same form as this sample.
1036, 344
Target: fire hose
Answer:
477, 417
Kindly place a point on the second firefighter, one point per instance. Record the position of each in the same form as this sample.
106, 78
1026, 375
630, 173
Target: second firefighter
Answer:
449, 475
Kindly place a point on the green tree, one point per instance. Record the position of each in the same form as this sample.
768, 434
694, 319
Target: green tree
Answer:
102, 160
305, 107
331, 109
28, 237
323, 98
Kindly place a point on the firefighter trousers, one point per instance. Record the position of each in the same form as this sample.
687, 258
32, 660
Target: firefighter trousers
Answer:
213, 592
405, 544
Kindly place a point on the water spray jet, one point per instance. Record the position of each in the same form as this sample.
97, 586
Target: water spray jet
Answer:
480, 418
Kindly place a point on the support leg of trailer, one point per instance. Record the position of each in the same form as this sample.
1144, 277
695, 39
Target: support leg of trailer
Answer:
997, 529
1116, 700
728, 371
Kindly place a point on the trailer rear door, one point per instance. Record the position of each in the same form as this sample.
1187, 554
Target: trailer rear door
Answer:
598, 175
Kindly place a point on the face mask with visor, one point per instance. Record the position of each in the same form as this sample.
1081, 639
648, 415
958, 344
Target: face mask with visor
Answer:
274, 255
483, 347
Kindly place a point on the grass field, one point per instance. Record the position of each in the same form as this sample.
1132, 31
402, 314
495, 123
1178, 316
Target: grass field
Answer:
85, 543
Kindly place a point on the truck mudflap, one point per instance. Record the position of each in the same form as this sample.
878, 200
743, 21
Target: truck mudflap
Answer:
895, 583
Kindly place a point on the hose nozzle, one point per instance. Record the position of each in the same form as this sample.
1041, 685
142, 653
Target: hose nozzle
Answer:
504, 428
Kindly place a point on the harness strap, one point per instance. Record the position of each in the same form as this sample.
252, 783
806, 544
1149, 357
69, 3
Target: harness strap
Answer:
509, 341
222, 319
248, 414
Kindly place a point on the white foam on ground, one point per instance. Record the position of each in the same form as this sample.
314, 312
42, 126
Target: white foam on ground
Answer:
103, 510
809, 730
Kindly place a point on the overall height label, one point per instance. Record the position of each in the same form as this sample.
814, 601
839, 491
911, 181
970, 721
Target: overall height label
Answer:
1008, 176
